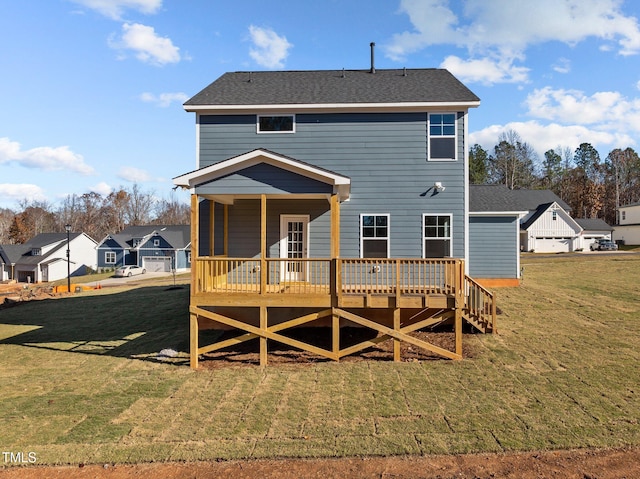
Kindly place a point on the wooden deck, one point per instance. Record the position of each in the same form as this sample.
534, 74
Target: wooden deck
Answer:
343, 289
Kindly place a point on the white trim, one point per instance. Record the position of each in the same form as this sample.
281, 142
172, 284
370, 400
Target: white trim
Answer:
341, 184
388, 237
115, 257
285, 132
344, 107
454, 136
467, 194
497, 213
450, 238
197, 140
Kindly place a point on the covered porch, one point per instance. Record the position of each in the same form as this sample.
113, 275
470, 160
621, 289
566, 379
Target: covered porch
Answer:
266, 258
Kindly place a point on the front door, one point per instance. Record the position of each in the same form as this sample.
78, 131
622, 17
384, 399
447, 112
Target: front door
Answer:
293, 244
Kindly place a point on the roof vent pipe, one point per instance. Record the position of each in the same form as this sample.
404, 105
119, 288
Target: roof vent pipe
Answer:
373, 64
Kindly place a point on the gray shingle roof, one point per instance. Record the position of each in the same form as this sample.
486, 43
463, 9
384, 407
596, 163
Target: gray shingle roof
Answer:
334, 86
178, 236
593, 224
484, 198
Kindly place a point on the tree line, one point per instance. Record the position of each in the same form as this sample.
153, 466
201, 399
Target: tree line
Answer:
591, 186
92, 213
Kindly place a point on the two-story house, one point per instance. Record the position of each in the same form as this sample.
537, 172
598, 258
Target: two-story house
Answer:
335, 195
44, 257
627, 229
156, 248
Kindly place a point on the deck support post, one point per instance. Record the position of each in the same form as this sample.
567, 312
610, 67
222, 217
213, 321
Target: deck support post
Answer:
459, 295
396, 341
335, 334
263, 339
193, 340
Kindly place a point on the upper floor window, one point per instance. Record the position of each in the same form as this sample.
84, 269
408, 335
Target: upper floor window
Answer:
554, 215
374, 236
36, 252
437, 236
276, 124
442, 136
624, 215
156, 242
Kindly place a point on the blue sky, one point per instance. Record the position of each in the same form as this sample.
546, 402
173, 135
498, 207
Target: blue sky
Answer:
91, 91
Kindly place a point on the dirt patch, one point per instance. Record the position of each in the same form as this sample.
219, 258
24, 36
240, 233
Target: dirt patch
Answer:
247, 353
581, 464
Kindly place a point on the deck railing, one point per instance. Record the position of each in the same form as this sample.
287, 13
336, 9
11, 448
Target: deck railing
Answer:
216, 274
480, 306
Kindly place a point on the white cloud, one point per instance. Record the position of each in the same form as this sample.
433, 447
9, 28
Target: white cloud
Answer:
101, 188
147, 45
137, 175
43, 158
485, 70
20, 191
545, 137
269, 49
563, 65
115, 8
164, 100
609, 109
133, 174
505, 29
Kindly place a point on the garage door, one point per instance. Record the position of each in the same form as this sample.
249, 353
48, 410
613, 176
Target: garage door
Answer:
156, 264
553, 245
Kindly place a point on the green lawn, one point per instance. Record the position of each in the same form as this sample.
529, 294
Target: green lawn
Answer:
79, 382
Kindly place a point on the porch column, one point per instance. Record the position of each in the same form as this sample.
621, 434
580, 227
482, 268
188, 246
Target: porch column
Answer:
212, 227
195, 249
195, 253
263, 244
225, 228
335, 227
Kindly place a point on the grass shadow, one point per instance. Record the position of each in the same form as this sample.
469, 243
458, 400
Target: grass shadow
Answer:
137, 323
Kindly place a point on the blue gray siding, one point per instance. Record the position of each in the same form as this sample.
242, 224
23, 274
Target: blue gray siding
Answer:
493, 246
385, 155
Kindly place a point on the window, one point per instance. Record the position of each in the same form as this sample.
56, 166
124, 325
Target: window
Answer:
36, 252
110, 257
374, 236
276, 124
156, 242
624, 215
437, 236
442, 136
554, 215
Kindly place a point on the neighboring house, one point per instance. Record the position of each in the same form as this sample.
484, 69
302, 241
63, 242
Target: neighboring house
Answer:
627, 230
545, 225
153, 247
10, 254
44, 257
311, 185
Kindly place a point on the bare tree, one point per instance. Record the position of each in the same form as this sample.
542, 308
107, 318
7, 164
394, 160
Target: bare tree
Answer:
172, 212
139, 206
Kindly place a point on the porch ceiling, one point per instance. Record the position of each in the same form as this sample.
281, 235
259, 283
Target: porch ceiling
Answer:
265, 172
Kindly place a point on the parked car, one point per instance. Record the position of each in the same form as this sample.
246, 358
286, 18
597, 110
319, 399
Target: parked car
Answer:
131, 270
603, 245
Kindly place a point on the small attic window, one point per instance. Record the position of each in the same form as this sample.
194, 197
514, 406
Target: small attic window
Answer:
36, 252
276, 124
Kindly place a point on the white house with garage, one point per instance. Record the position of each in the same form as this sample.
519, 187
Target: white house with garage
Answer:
546, 224
44, 258
156, 248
